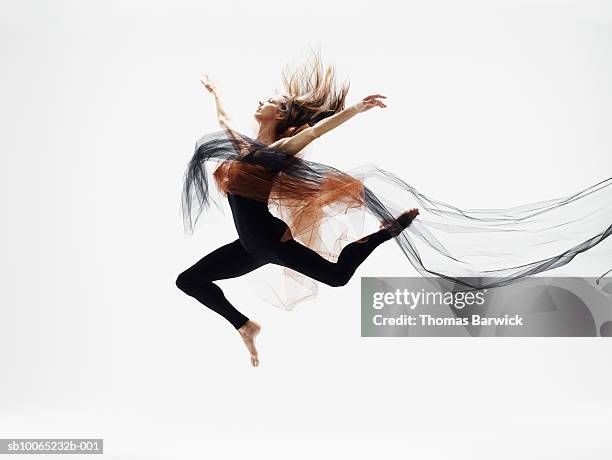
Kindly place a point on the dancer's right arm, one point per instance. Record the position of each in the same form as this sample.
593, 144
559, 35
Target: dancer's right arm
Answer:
329, 123
294, 144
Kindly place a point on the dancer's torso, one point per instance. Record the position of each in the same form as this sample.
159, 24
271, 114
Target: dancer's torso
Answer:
258, 229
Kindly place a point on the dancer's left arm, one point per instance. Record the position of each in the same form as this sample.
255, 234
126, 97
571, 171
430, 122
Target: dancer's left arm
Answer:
297, 142
222, 115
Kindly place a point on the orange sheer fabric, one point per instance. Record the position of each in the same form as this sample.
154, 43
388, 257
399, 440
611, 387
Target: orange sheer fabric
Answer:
301, 203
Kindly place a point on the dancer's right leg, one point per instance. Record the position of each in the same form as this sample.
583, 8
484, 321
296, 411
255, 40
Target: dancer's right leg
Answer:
228, 261
304, 260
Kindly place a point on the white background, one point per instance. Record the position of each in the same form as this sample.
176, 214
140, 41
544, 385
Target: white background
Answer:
496, 104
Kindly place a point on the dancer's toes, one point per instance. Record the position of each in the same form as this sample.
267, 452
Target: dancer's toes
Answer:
249, 332
407, 217
403, 221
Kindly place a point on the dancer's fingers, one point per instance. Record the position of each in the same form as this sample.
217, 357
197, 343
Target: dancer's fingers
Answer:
369, 103
371, 96
374, 102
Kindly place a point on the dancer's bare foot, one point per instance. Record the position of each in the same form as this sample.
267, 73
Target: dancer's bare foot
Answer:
249, 332
403, 221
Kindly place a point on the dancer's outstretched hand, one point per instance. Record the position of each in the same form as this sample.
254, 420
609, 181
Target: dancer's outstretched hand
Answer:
208, 84
372, 101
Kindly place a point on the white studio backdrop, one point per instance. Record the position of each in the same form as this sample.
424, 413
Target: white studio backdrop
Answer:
102, 105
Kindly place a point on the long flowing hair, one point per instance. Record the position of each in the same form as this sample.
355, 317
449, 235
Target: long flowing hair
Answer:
311, 94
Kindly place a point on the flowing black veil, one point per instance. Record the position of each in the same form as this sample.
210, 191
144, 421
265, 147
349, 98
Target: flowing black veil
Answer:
465, 249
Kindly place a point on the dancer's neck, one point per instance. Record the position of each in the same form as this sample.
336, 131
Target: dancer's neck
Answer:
266, 133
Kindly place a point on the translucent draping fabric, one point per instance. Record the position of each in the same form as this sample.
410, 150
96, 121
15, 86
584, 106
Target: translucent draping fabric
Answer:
465, 248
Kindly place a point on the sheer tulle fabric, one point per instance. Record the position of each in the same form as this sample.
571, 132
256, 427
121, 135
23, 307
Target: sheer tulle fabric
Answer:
465, 249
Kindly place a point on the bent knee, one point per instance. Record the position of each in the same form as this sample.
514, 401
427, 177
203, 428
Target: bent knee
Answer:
183, 282
337, 280
341, 282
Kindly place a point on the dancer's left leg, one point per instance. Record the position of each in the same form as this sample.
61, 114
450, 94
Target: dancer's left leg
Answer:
228, 261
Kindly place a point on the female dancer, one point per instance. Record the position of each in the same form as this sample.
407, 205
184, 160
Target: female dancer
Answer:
286, 125
464, 249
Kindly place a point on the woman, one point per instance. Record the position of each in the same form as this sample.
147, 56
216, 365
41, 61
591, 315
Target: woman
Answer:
268, 169
264, 238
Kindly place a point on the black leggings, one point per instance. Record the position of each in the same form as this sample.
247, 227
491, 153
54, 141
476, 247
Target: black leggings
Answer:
233, 260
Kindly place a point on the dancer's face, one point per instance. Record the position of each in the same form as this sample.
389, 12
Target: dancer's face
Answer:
269, 110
